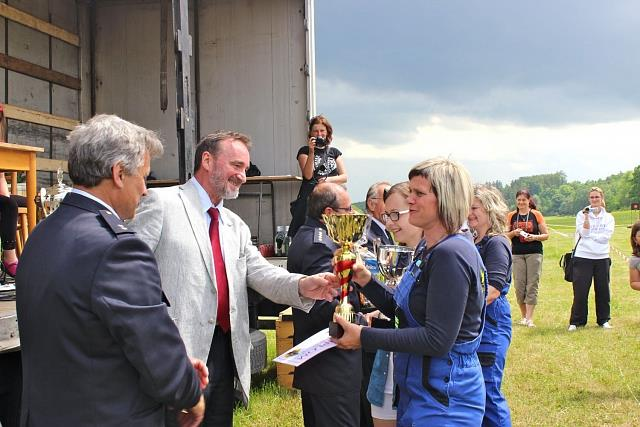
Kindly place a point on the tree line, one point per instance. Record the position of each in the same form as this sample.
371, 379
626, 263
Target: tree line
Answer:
555, 196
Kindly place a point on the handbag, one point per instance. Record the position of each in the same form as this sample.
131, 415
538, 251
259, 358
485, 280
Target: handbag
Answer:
566, 263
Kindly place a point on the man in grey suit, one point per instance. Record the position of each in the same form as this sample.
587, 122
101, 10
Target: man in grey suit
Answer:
207, 261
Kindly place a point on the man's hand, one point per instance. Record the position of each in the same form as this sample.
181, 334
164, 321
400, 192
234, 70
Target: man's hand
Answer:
192, 417
201, 370
321, 286
350, 340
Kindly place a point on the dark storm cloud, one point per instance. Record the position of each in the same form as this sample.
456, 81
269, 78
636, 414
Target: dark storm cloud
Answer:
534, 63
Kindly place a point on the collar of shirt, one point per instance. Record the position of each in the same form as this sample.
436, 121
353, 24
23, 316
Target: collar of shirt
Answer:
95, 199
205, 203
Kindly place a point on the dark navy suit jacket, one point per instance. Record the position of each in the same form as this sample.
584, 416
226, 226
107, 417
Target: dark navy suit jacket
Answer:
333, 371
376, 232
98, 346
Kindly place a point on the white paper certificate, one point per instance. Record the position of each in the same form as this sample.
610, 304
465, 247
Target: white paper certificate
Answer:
307, 349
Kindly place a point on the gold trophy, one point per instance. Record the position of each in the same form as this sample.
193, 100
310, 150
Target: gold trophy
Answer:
345, 230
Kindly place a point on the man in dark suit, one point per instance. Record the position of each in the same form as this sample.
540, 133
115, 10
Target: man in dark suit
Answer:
98, 346
377, 233
330, 382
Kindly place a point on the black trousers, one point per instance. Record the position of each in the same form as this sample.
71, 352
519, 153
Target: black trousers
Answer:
219, 394
365, 407
339, 410
584, 270
10, 388
8, 222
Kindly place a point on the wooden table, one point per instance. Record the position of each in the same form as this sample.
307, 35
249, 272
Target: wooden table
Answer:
269, 180
14, 157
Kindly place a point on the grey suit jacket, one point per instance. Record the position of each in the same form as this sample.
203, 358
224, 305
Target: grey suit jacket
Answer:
171, 221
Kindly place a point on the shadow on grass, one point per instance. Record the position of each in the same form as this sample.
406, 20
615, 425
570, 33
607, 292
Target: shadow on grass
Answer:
267, 375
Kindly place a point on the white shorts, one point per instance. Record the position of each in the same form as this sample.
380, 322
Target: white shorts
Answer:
386, 411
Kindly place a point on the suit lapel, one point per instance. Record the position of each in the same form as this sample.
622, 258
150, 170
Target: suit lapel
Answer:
189, 196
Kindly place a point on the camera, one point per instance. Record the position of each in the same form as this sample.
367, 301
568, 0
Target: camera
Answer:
524, 234
587, 210
321, 143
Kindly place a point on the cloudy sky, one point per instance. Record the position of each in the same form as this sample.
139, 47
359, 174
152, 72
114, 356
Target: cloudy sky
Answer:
507, 88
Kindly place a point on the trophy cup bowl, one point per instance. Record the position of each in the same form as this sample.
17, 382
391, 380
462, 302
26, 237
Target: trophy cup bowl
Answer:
50, 198
393, 260
345, 230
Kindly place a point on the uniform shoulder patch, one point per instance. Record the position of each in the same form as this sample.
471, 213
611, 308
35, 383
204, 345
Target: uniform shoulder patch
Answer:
320, 235
115, 224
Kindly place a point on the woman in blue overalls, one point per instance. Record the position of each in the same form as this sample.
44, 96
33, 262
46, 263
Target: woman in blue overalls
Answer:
488, 221
440, 305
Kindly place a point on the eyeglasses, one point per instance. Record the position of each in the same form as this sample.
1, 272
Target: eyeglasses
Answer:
393, 216
337, 208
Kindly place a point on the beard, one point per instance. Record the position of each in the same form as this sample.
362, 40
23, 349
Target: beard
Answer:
230, 193
226, 188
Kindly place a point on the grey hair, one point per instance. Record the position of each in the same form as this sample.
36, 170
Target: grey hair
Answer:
372, 192
452, 186
495, 206
104, 141
211, 144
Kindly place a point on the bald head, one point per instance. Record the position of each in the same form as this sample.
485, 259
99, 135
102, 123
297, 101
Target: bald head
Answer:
328, 198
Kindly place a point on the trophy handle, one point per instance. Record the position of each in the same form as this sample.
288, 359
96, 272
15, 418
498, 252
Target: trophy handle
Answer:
43, 198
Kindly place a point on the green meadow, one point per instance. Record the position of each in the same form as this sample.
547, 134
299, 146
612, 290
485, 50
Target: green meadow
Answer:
590, 377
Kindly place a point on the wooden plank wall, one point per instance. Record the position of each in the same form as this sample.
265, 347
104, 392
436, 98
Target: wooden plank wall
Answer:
39, 53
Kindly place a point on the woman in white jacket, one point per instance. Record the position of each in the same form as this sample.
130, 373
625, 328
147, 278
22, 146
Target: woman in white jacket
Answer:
594, 228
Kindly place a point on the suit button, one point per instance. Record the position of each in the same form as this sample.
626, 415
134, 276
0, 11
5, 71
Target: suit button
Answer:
446, 379
211, 321
449, 362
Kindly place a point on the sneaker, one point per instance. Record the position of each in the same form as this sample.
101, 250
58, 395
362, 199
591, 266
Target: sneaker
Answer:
606, 325
524, 321
530, 324
572, 328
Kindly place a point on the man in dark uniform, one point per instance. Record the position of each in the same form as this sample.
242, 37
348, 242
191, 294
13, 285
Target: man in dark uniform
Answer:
330, 382
98, 345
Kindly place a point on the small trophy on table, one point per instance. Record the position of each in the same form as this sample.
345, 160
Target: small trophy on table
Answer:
393, 260
344, 230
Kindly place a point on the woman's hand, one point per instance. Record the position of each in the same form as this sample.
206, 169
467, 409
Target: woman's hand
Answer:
515, 232
350, 340
312, 144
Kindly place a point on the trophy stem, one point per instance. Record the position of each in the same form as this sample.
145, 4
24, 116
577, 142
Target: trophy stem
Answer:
345, 261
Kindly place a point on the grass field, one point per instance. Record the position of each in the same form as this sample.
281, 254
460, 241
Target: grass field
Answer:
590, 377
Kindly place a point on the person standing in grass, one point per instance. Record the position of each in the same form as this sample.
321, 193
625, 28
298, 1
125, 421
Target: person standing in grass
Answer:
634, 261
591, 261
527, 231
487, 220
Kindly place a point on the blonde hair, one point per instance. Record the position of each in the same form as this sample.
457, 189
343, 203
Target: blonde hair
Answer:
401, 188
451, 183
495, 206
598, 190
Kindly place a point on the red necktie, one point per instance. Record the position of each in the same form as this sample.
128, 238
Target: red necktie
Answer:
221, 272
